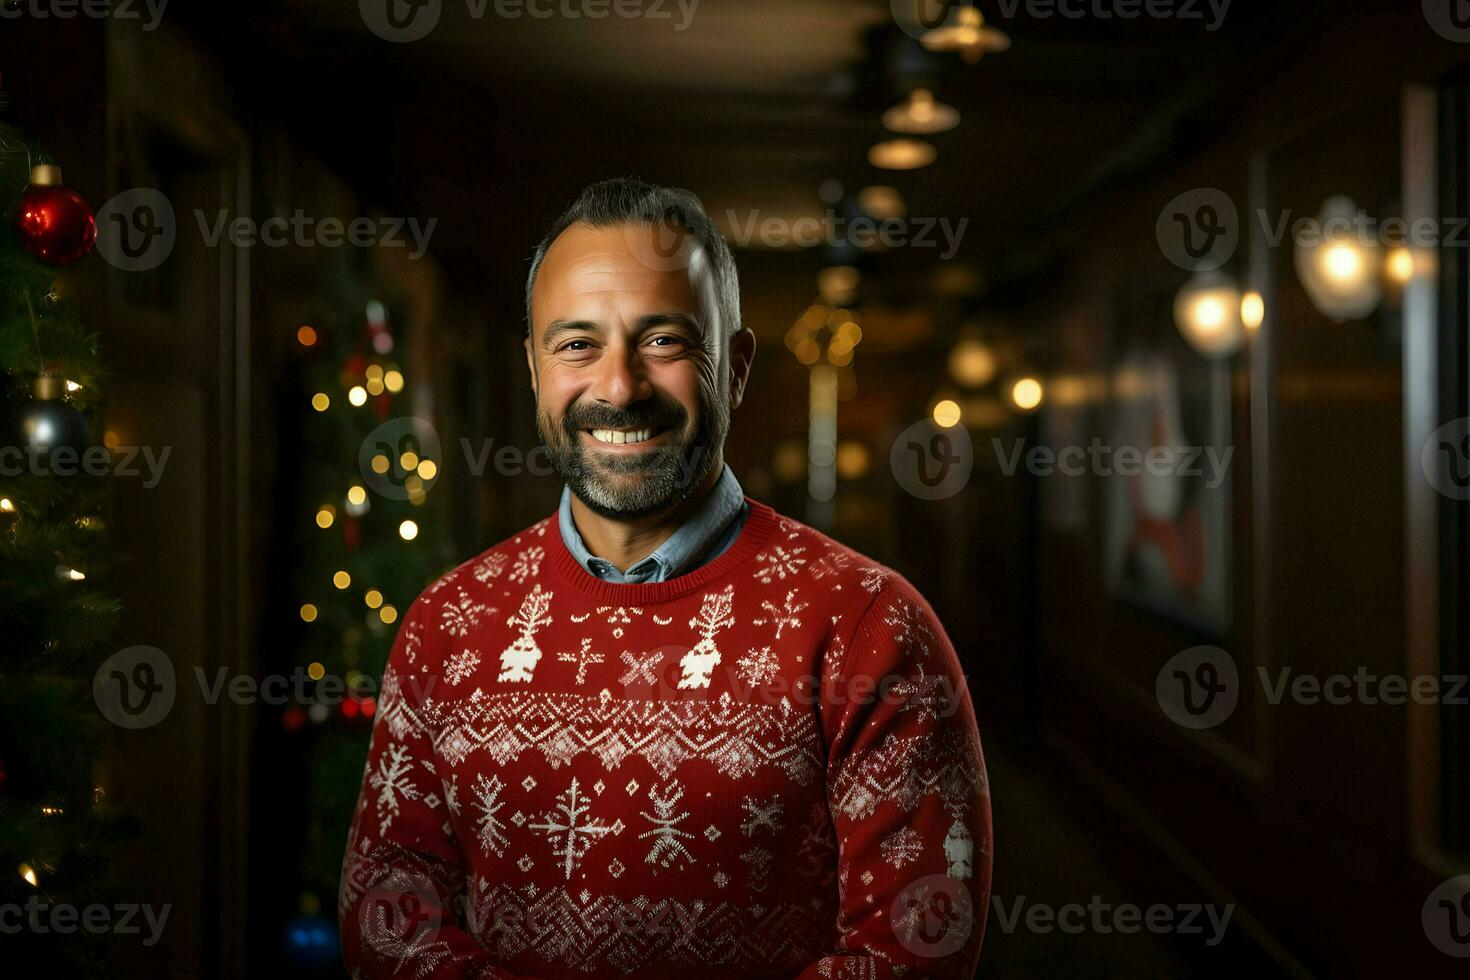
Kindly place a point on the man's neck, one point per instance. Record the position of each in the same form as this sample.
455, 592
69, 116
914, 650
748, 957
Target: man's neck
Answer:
624, 543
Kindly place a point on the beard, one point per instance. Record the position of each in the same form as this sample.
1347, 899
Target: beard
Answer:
625, 486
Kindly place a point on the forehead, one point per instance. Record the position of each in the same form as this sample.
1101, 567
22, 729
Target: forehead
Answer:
588, 271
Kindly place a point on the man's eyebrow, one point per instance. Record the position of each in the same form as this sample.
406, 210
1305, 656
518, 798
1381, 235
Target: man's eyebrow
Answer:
687, 320
556, 328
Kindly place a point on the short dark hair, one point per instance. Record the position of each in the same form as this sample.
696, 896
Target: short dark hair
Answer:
628, 200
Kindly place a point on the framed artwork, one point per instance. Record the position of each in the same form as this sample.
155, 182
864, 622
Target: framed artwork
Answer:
1166, 480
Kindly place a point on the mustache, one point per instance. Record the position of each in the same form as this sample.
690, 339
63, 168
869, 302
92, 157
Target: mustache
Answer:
659, 414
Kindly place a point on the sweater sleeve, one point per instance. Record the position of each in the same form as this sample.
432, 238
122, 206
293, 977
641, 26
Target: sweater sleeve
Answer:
402, 890
910, 803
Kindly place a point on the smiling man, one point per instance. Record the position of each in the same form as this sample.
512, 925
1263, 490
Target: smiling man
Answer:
664, 730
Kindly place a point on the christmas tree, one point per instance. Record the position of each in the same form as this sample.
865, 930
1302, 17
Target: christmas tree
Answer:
57, 618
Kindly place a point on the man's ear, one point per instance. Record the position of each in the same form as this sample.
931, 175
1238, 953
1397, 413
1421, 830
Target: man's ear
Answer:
531, 362
742, 356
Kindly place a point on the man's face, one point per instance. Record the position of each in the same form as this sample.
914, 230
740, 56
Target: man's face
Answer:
634, 382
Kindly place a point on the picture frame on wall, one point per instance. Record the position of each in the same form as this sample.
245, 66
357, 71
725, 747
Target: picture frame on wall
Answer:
1166, 481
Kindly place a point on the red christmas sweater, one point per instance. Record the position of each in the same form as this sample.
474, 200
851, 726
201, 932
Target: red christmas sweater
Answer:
765, 767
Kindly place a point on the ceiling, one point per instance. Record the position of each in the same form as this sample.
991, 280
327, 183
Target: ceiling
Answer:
493, 123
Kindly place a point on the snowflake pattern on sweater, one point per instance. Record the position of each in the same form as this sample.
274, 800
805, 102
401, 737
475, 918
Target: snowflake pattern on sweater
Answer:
766, 767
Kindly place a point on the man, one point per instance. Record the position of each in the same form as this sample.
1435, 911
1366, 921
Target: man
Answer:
665, 731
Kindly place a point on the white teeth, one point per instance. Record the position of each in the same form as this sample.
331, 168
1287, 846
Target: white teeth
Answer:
619, 438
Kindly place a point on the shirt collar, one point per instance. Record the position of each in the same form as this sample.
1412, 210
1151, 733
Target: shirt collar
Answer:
684, 550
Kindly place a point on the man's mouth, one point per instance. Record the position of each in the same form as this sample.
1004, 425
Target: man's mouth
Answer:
625, 437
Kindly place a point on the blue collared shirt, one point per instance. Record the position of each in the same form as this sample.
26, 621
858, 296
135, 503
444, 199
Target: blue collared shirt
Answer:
710, 530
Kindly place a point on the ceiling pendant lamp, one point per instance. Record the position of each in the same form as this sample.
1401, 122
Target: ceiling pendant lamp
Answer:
966, 33
921, 114
902, 154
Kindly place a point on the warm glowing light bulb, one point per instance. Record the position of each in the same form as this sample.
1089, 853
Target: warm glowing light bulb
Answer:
306, 336
388, 614
902, 154
325, 516
853, 459
29, 874
315, 670
393, 381
320, 401
1342, 262
409, 461
373, 598
1401, 265
356, 494
308, 613
342, 579
427, 469
1209, 313
882, 202
1252, 310
1026, 394
381, 464
6, 505
408, 530
947, 413
920, 113
357, 395
971, 363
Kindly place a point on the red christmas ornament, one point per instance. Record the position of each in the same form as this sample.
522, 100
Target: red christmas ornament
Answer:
54, 223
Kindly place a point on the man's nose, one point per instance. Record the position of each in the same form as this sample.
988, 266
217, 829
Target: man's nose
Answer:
621, 377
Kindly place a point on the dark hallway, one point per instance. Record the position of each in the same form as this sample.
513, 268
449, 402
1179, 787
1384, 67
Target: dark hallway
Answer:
1132, 334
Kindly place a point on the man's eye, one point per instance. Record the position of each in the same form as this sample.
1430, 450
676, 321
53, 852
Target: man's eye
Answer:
665, 340
572, 345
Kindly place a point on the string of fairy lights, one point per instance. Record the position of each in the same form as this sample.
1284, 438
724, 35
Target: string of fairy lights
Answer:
365, 383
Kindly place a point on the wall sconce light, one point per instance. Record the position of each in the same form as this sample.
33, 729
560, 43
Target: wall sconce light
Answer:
1252, 311
1339, 264
1208, 312
921, 114
1400, 265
